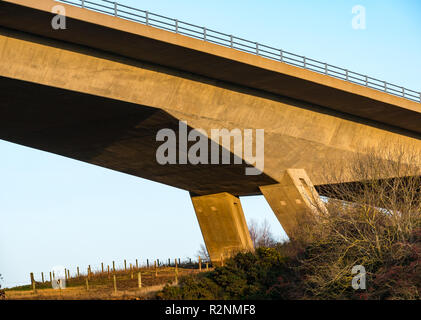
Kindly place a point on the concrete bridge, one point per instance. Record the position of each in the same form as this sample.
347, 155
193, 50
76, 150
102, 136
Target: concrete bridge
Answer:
100, 90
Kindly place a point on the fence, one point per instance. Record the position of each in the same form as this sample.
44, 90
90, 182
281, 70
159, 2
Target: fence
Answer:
129, 275
158, 21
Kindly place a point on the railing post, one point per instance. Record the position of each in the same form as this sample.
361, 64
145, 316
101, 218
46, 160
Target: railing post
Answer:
385, 86
346, 75
115, 9
204, 34
83, 3
257, 48
282, 55
232, 42
403, 92
176, 26
366, 81
147, 18
326, 68
304, 62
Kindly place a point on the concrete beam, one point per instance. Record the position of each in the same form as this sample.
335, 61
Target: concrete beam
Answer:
223, 225
47, 109
293, 197
195, 56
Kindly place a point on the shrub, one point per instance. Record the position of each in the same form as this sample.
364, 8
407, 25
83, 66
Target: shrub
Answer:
192, 288
245, 276
374, 221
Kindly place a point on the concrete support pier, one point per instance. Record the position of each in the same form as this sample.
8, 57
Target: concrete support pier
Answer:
223, 225
295, 195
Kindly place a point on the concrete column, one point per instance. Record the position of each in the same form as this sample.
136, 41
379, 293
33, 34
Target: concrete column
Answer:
295, 195
223, 225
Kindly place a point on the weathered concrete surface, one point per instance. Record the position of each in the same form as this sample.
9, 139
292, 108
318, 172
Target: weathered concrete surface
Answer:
223, 225
292, 198
68, 78
145, 43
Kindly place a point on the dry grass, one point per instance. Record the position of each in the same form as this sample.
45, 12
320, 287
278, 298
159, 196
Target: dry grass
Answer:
371, 223
101, 286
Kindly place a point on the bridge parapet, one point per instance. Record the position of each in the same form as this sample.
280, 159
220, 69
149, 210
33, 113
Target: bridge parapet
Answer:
199, 32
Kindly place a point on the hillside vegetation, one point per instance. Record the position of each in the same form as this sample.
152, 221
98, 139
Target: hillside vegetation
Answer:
100, 285
375, 223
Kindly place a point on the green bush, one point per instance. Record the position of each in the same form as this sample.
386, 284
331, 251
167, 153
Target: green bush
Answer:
317, 272
245, 276
196, 287
374, 222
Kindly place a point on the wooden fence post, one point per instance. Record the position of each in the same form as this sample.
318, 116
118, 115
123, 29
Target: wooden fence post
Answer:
87, 284
176, 272
42, 276
115, 284
34, 289
131, 271
68, 274
113, 266
137, 265
139, 279
102, 267
108, 271
125, 267
51, 279
78, 274
157, 262
200, 264
156, 269
65, 274
147, 263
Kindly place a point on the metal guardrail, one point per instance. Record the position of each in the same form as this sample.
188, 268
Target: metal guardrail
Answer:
209, 35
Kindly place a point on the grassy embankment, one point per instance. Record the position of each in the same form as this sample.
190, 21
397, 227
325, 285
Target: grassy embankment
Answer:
101, 284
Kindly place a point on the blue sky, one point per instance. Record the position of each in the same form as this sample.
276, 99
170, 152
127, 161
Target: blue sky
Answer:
58, 211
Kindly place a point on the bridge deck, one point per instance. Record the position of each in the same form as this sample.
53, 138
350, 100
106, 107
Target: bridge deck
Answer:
145, 43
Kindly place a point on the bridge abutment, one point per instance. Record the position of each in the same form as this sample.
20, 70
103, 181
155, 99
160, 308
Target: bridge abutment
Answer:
294, 197
223, 225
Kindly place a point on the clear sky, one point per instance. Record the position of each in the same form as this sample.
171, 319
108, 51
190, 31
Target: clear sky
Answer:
58, 211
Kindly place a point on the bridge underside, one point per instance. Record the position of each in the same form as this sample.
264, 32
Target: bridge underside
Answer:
106, 110
113, 134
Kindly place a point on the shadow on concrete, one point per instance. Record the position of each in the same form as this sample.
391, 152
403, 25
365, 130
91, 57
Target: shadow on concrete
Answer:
113, 134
